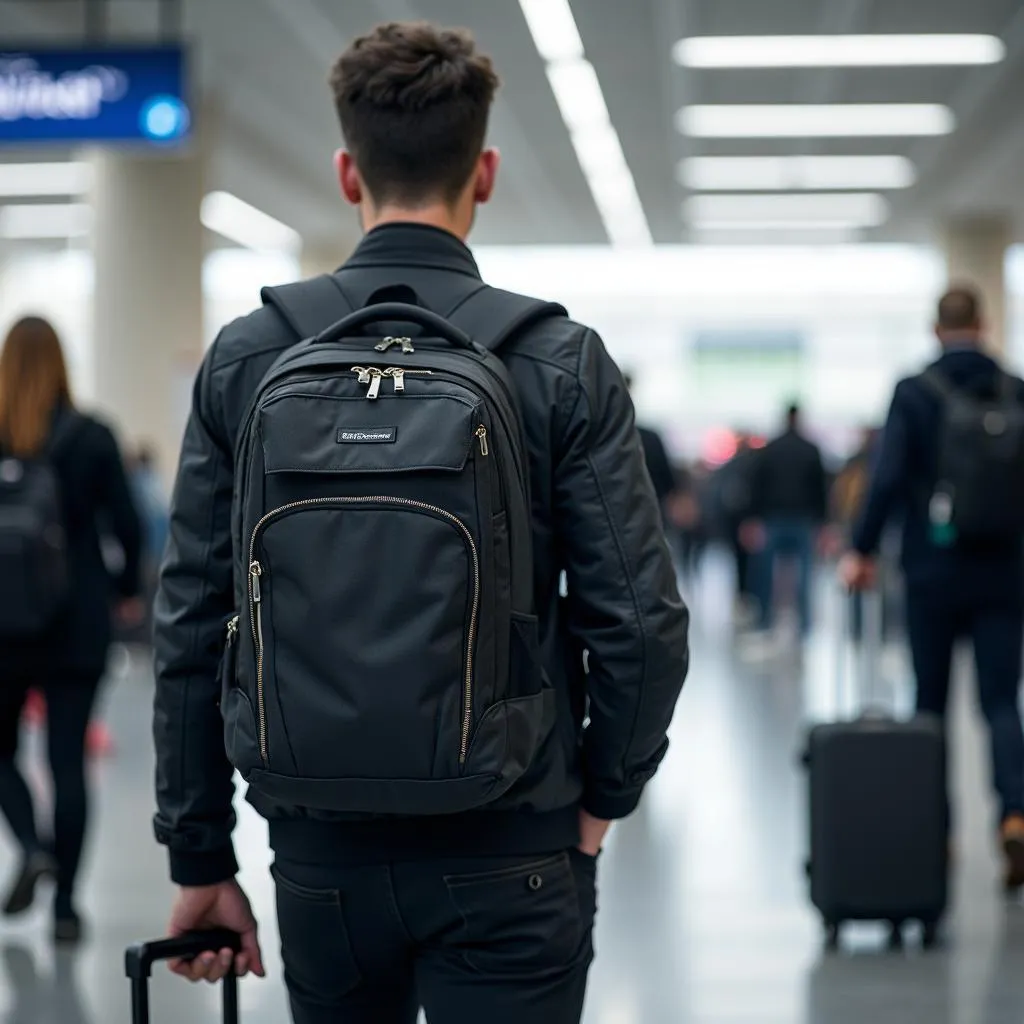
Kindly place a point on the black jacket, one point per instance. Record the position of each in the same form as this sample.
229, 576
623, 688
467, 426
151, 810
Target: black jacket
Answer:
595, 517
904, 478
97, 502
788, 480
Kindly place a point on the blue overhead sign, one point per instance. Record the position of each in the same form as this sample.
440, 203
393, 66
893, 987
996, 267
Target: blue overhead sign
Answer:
108, 95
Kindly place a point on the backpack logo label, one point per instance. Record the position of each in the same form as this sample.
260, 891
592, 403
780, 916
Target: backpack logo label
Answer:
368, 435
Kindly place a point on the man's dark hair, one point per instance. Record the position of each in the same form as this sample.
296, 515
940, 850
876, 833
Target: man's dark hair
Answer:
413, 100
792, 413
959, 309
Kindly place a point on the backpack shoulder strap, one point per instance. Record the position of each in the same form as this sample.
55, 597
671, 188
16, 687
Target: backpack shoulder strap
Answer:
66, 426
310, 306
492, 317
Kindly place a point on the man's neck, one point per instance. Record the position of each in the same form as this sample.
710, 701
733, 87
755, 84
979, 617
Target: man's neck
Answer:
439, 216
968, 341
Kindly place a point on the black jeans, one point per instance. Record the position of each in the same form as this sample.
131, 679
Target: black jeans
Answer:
69, 704
498, 940
935, 621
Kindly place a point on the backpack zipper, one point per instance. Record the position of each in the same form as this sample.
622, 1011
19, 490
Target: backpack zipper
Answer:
256, 570
256, 618
373, 376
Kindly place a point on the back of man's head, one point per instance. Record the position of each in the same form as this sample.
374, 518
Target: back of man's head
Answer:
793, 416
414, 101
959, 316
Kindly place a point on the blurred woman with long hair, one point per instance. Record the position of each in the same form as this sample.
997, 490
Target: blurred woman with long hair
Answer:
55, 632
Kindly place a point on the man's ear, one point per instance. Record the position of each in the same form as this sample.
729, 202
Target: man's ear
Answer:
348, 177
486, 175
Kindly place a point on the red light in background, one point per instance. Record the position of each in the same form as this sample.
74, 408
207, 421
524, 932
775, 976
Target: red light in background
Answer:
720, 446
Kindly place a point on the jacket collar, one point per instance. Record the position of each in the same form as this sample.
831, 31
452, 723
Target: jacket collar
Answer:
413, 245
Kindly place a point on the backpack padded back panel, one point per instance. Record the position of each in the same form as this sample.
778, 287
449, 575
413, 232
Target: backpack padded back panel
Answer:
981, 459
386, 655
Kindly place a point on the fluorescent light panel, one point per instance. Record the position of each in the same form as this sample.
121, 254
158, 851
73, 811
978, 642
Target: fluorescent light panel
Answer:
577, 92
553, 29
837, 51
45, 220
49, 179
786, 173
236, 220
799, 120
859, 209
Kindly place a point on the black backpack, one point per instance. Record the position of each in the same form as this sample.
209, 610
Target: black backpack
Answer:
385, 658
33, 541
979, 490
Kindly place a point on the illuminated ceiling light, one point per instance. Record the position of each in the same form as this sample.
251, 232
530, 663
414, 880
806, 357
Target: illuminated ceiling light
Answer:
553, 29
773, 227
236, 220
49, 179
45, 220
855, 209
798, 120
786, 173
577, 92
837, 51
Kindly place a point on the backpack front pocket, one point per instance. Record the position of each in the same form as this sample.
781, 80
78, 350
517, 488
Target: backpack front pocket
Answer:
364, 615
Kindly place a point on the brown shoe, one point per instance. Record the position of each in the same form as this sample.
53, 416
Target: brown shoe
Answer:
1013, 848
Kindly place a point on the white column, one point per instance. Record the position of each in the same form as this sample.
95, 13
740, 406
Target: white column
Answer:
148, 301
976, 255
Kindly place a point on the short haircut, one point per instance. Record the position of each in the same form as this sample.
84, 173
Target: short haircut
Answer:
414, 100
959, 309
793, 411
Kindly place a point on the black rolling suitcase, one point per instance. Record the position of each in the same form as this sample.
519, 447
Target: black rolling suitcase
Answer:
139, 960
878, 814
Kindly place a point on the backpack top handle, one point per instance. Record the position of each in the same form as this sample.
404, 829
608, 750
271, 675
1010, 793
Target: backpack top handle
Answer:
400, 312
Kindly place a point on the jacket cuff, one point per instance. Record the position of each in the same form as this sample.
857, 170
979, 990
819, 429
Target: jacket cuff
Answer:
207, 868
611, 806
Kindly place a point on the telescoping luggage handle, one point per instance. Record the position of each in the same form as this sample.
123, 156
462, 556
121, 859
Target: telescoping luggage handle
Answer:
859, 690
139, 960
395, 311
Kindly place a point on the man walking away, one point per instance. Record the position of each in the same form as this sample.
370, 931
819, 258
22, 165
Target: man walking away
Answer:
385, 904
789, 498
952, 461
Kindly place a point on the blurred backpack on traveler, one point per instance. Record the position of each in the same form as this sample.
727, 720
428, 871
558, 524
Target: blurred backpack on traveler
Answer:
979, 490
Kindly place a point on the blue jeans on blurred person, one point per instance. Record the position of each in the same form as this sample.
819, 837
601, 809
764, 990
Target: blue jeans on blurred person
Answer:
791, 539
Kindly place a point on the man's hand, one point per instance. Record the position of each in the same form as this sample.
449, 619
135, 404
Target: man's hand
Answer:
216, 906
592, 833
857, 571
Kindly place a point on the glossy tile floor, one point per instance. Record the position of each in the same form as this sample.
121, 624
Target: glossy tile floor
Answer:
703, 917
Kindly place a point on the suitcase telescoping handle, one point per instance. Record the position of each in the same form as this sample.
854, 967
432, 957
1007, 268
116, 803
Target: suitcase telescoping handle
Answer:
858, 689
139, 960
401, 312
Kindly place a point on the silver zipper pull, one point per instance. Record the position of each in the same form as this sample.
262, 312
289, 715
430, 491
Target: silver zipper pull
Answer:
399, 376
364, 374
383, 346
407, 348
255, 572
375, 378
232, 630
481, 433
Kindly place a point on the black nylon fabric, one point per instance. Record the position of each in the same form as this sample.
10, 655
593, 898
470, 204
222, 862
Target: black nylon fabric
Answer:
381, 581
